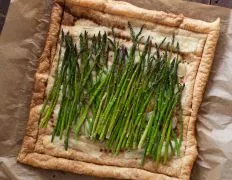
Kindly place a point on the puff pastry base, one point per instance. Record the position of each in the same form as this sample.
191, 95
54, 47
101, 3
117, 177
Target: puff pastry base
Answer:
116, 13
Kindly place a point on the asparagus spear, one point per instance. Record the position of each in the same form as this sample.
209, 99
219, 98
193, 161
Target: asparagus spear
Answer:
115, 100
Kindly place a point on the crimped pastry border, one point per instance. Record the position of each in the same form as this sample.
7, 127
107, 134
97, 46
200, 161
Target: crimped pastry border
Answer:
29, 156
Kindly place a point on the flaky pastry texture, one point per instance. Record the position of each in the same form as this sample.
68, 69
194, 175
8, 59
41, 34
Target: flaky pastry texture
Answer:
199, 40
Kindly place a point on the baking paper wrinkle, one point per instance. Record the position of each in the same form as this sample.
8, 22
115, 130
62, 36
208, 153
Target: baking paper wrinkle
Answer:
22, 42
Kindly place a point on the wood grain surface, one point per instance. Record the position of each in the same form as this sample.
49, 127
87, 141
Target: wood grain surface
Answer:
4, 4
224, 3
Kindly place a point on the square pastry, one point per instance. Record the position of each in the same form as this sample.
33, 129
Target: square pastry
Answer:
117, 91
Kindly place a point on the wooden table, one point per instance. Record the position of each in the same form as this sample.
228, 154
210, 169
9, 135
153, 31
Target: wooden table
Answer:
224, 3
4, 4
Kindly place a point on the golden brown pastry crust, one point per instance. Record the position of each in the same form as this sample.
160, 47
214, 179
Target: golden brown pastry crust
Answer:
34, 153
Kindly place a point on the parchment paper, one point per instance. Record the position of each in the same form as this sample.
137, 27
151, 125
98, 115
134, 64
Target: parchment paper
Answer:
21, 43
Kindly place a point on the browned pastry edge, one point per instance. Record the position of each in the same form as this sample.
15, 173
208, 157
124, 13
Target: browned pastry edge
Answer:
125, 9
28, 155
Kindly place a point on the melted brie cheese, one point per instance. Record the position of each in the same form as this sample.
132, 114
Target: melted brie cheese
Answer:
187, 45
